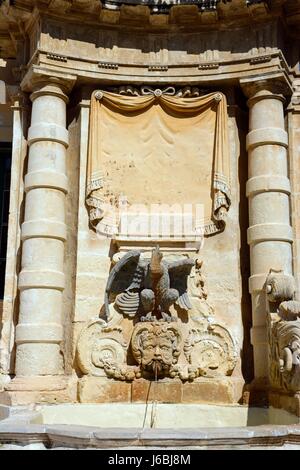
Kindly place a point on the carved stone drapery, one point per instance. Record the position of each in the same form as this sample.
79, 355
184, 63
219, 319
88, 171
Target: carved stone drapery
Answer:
134, 135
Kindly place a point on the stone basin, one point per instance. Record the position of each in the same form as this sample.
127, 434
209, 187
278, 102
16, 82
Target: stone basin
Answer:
128, 426
162, 416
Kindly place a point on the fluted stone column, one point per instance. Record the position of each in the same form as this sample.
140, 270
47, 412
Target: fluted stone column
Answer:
269, 234
39, 332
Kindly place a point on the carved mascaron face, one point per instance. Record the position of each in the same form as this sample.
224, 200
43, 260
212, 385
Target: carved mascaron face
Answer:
155, 346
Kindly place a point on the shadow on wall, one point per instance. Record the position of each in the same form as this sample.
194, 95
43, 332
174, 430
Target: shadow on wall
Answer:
247, 350
1, 313
260, 37
2, 92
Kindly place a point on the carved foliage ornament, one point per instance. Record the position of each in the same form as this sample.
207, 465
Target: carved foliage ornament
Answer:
283, 332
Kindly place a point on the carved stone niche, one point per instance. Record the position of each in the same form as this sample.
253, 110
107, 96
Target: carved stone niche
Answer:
283, 332
159, 325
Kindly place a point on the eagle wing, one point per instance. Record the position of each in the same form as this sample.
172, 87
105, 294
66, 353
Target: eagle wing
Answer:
179, 272
125, 281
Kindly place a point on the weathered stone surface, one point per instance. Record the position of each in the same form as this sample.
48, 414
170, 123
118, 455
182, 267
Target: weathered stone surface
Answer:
164, 391
212, 391
97, 390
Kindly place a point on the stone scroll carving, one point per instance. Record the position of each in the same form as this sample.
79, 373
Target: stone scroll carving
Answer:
100, 345
186, 92
283, 332
160, 325
211, 350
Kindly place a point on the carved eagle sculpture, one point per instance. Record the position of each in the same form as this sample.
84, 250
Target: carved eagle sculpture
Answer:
148, 287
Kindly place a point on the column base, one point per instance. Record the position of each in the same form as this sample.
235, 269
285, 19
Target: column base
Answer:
40, 389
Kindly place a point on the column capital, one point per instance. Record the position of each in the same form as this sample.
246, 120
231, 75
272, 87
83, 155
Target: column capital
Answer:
264, 86
49, 87
37, 79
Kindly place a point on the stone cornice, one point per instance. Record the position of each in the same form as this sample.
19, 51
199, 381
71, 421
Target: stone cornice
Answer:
88, 73
19, 18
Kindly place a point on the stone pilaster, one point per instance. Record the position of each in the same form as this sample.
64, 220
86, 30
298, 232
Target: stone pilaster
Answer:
19, 105
270, 234
293, 119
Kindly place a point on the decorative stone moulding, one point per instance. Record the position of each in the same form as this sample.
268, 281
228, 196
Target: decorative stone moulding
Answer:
185, 92
209, 66
260, 59
158, 68
108, 65
283, 332
60, 58
177, 338
159, 7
